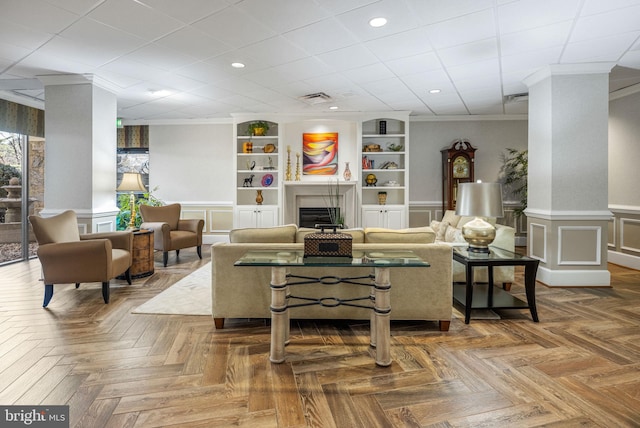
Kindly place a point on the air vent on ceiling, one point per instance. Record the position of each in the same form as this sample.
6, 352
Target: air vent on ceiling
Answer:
317, 98
516, 98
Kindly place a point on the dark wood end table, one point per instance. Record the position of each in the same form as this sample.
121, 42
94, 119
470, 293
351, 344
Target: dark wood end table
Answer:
481, 296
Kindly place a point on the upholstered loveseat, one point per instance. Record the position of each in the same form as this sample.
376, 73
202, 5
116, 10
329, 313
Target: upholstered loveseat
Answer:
449, 231
416, 293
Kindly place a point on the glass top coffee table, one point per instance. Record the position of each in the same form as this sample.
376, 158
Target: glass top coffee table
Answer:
481, 296
378, 299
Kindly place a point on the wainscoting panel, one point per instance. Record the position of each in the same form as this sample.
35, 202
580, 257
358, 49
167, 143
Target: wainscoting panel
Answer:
630, 234
579, 245
538, 241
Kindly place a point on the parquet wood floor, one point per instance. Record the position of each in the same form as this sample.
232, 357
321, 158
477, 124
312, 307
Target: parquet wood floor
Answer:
580, 366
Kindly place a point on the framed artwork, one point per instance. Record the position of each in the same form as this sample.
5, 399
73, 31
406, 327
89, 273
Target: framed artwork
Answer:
320, 153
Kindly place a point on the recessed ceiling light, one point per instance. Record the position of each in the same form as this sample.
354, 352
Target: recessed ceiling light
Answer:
158, 92
237, 65
333, 108
378, 22
434, 91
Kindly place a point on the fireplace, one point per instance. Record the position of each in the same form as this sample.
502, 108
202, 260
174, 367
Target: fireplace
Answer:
314, 194
310, 216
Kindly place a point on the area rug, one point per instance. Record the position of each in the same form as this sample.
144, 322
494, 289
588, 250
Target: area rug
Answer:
189, 296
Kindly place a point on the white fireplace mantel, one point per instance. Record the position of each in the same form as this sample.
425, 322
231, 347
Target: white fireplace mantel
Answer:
315, 194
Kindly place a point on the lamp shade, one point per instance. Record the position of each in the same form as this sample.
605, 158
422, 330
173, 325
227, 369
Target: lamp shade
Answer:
479, 200
131, 182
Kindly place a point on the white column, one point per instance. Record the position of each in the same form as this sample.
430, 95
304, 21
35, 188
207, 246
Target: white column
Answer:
80, 150
567, 208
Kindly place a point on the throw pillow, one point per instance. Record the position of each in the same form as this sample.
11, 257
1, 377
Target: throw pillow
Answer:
442, 231
451, 218
435, 225
453, 234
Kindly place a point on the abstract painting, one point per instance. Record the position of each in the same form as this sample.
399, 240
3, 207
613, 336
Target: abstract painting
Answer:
320, 153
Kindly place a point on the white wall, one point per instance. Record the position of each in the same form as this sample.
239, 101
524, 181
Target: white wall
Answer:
624, 151
192, 163
490, 138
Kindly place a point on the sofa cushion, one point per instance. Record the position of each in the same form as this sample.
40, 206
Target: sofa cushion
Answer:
442, 229
276, 234
451, 218
453, 234
357, 234
414, 235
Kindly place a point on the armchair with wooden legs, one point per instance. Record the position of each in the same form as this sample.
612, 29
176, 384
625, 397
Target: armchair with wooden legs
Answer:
67, 256
170, 232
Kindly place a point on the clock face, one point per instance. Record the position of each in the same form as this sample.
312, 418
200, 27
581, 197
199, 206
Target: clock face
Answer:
460, 167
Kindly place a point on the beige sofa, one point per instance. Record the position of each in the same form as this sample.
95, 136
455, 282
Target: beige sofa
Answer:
449, 231
416, 293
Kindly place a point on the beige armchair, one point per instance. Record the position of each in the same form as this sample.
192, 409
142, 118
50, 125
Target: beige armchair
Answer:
68, 257
170, 232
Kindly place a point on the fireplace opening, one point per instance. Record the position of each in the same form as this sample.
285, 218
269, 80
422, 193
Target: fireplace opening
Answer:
310, 216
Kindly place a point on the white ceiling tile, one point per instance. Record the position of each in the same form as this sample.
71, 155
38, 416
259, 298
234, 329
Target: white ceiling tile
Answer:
386, 86
480, 70
526, 14
607, 24
37, 14
432, 11
399, 45
304, 68
414, 64
531, 60
190, 41
271, 77
273, 51
186, 10
592, 7
603, 49
234, 28
465, 29
334, 82
469, 52
207, 72
369, 73
341, 6
24, 37
160, 57
535, 38
134, 18
322, 36
399, 19
280, 16
348, 58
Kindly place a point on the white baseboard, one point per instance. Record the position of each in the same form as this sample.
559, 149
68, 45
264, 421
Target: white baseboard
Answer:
626, 260
574, 278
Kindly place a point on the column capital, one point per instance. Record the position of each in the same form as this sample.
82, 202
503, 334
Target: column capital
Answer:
77, 79
568, 69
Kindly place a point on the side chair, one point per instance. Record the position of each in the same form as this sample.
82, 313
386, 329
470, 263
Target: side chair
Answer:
67, 256
170, 232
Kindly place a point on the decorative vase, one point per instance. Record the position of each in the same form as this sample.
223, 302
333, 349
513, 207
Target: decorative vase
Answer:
347, 173
382, 198
259, 197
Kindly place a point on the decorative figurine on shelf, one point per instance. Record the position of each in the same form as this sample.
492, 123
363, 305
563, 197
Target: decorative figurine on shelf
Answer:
371, 180
287, 176
347, 172
270, 167
248, 182
382, 198
259, 197
297, 166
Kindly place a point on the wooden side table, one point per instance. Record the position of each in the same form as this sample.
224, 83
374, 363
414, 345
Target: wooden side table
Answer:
143, 261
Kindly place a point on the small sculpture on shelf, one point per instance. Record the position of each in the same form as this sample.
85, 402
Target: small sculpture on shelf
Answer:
371, 180
347, 172
259, 197
248, 182
287, 176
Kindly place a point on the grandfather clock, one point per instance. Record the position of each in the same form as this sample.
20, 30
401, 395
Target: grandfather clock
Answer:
457, 167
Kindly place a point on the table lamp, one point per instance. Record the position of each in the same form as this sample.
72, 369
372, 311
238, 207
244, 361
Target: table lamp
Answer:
479, 200
131, 182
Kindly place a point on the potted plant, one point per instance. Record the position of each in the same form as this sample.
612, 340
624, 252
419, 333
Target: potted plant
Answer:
258, 128
515, 170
